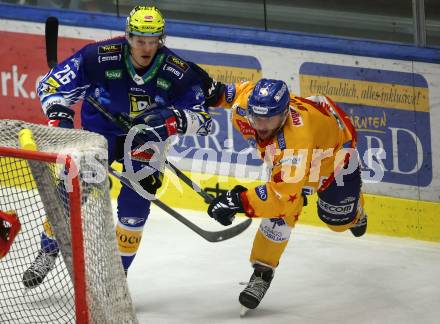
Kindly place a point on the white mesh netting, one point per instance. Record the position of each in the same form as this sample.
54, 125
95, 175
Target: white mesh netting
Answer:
34, 190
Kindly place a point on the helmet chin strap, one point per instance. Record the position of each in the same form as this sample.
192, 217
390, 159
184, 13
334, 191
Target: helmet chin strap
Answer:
284, 120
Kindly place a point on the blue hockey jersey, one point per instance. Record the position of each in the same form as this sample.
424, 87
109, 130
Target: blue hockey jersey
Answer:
105, 69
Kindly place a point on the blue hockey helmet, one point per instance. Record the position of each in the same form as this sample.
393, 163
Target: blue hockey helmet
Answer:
269, 98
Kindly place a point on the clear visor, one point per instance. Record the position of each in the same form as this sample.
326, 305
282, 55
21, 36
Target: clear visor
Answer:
144, 41
266, 126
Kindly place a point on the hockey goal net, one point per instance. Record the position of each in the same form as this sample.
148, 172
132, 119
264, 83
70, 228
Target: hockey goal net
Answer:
65, 180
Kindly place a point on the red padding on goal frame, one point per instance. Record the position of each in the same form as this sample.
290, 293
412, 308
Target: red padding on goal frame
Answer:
79, 280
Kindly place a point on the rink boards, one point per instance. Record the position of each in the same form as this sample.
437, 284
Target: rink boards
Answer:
387, 215
392, 99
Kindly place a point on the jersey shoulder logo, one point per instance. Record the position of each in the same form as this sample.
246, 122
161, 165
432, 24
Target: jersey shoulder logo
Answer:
110, 49
52, 82
230, 93
240, 111
180, 64
261, 192
296, 118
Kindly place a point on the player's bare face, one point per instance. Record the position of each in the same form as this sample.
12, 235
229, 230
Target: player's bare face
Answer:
143, 50
266, 127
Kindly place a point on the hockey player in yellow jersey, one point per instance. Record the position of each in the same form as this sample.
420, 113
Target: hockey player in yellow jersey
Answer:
309, 146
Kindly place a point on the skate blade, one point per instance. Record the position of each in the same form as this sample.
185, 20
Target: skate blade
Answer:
243, 311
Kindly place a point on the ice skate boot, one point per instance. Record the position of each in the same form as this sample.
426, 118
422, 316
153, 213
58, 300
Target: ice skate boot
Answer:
360, 227
255, 290
35, 274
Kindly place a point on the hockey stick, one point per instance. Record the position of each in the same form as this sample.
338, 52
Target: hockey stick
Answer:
51, 31
124, 125
210, 236
51, 36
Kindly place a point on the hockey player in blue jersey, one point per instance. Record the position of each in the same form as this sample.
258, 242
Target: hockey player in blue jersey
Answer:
136, 76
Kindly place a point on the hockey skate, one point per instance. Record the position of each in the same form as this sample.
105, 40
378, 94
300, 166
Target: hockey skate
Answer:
360, 227
255, 290
35, 274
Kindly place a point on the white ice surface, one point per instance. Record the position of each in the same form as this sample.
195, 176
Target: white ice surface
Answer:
323, 277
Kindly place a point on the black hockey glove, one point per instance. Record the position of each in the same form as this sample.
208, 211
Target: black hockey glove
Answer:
224, 207
157, 124
60, 116
152, 183
212, 89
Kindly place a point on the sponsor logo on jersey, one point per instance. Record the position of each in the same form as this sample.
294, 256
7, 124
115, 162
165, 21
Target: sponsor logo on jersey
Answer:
296, 118
52, 82
281, 140
76, 63
173, 71
113, 74
290, 160
245, 128
275, 229
348, 200
261, 192
177, 62
139, 103
230, 93
135, 89
277, 222
164, 84
240, 111
335, 210
110, 49
102, 59
128, 240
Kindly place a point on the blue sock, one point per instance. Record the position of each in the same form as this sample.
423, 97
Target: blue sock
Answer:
48, 245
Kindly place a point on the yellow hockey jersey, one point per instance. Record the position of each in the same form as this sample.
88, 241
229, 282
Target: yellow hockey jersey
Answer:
303, 155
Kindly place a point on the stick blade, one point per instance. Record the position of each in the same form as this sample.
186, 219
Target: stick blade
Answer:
243, 311
51, 33
229, 233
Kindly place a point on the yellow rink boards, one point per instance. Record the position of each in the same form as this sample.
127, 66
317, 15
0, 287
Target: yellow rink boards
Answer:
386, 215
